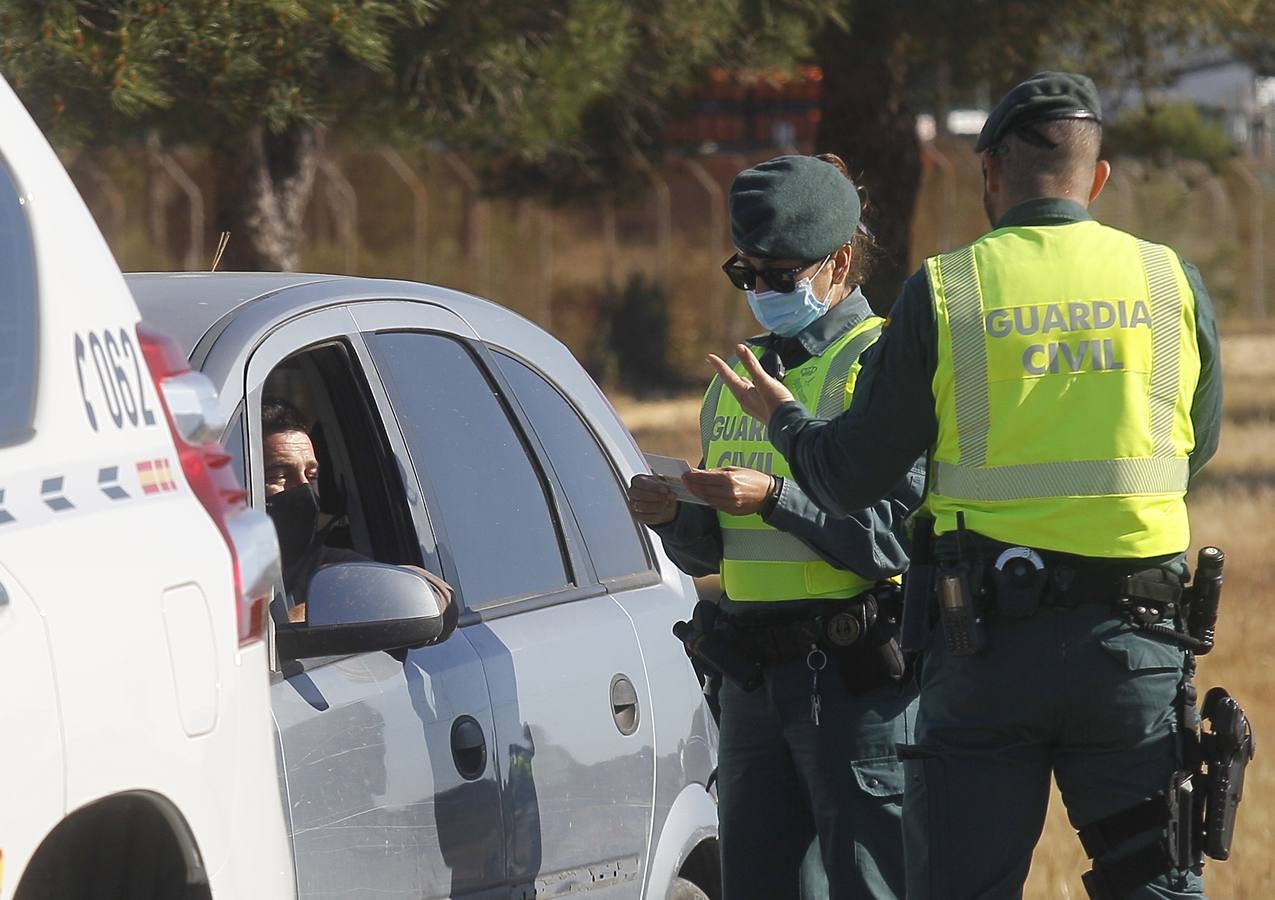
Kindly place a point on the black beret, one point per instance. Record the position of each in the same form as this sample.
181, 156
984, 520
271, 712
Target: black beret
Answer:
1043, 97
792, 207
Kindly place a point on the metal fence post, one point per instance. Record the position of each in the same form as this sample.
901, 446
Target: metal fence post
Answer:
717, 232
947, 188
663, 219
1257, 212
1124, 192
609, 243
420, 207
344, 201
194, 200
115, 202
546, 268
474, 239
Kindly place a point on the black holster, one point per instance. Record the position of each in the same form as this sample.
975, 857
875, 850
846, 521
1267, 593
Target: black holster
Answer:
714, 655
1225, 750
918, 590
1196, 817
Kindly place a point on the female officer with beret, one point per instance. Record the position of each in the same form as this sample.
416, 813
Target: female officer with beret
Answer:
809, 753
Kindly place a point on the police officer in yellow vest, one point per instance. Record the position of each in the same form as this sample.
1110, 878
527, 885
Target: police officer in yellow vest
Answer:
1064, 377
807, 754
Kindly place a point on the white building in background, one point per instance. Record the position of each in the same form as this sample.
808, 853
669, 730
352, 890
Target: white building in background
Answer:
1229, 92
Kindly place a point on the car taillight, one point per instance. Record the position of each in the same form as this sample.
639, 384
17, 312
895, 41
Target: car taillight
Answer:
190, 407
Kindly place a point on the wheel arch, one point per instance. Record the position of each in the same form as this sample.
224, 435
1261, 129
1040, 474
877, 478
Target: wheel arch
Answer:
143, 824
687, 845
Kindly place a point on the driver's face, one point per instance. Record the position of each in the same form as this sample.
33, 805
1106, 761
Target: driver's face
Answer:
290, 461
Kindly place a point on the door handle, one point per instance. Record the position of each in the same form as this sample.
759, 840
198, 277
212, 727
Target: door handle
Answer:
469, 748
624, 704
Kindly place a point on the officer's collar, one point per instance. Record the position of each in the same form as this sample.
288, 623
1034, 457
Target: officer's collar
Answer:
1044, 211
826, 330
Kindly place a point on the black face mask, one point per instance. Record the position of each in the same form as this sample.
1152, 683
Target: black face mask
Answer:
296, 517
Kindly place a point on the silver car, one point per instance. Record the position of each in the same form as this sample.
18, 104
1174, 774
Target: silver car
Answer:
557, 742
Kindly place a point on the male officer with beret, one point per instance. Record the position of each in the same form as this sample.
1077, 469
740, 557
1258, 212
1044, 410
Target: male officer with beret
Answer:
1064, 377
811, 715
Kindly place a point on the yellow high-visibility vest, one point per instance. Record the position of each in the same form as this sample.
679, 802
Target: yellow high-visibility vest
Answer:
1067, 361
761, 562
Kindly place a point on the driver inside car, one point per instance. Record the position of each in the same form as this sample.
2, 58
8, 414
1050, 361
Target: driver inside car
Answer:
292, 502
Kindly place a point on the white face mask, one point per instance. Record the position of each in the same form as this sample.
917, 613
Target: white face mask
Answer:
787, 314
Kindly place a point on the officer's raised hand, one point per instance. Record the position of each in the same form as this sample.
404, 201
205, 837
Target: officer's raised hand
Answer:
651, 501
733, 490
759, 397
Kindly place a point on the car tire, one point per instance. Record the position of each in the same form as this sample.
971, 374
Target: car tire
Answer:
685, 890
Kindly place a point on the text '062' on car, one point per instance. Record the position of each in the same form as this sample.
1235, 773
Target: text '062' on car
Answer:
403, 435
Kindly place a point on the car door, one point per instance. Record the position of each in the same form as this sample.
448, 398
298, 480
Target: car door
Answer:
389, 786
568, 685
593, 477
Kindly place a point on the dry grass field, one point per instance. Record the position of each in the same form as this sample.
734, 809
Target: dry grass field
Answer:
1232, 506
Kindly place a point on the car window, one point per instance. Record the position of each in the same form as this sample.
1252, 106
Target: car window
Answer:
232, 443
496, 523
362, 509
585, 472
18, 316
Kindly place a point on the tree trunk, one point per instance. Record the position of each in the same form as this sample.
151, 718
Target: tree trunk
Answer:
263, 183
866, 122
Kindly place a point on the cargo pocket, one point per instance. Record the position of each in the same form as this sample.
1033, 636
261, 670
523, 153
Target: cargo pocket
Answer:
880, 776
1138, 652
1138, 691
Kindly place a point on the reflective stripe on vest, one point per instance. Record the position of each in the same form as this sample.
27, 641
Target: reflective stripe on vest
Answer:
1130, 470
759, 562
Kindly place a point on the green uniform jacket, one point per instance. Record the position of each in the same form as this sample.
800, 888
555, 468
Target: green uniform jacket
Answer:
856, 458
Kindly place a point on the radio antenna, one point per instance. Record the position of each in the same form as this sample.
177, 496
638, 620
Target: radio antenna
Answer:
221, 248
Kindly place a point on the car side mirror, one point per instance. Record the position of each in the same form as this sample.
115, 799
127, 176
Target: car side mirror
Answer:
362, 607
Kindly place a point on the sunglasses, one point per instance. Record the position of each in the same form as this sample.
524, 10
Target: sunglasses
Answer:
745, 277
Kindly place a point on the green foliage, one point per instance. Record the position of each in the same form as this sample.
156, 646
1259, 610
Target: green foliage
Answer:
1165, 131
512, 76
563, 82
89, 66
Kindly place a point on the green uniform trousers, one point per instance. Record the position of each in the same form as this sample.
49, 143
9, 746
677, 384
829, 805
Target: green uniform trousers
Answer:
784, 782
1075, 693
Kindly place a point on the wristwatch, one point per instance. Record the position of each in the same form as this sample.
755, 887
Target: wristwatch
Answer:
776, 488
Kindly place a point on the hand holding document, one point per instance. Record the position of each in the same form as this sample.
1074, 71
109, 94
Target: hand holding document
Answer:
669, 470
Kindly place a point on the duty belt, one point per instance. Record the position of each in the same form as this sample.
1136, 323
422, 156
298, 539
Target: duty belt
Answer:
1020, 579
782, 639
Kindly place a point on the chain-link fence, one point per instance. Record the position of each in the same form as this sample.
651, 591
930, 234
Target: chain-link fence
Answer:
585, 269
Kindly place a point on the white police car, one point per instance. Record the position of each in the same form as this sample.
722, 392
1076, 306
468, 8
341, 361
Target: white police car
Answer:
136, 752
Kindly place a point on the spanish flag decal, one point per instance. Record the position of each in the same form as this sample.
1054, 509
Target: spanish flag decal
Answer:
156, 476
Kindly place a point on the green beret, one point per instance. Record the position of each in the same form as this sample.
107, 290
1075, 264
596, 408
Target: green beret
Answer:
792, 207
1043, 97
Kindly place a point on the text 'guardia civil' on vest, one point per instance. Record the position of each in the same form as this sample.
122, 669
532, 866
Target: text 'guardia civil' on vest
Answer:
1055, 357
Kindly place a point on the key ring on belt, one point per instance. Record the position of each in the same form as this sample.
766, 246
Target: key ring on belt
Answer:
816, 702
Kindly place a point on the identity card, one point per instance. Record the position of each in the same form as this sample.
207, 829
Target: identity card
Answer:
669, 469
